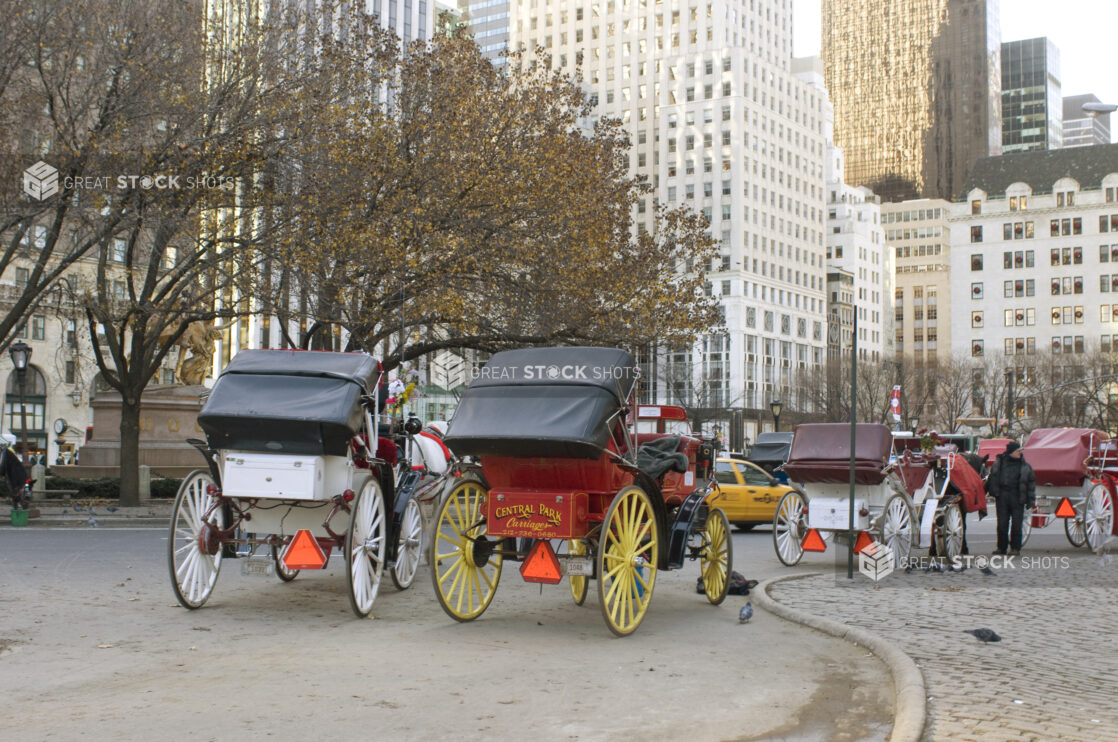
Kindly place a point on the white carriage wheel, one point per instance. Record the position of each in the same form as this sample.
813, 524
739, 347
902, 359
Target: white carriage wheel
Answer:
951, 532
282, 572
789, 529
409, 545
1073, 528
193, 569
896, 528
1098, 517
366, 546
1027, 526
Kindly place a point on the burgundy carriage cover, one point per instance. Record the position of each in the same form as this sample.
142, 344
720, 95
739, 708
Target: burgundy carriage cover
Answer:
821, 453
969, 484
1057, 455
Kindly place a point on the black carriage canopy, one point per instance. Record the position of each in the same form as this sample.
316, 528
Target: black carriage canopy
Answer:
289, 401
551, 402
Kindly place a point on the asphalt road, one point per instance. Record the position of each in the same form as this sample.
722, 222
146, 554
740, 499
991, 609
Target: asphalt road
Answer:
93, 641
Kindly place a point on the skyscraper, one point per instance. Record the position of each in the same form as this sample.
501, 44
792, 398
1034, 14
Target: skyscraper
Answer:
721, 120
1032, 104
916, 90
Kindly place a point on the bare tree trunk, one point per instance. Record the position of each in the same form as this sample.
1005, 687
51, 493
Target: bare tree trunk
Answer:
130, 450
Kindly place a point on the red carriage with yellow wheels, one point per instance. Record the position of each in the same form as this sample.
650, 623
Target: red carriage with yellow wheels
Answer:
557, 476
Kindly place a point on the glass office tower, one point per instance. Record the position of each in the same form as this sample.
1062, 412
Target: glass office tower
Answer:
916, 86
1032, 102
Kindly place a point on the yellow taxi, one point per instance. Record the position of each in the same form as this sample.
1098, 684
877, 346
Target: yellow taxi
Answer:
749, 493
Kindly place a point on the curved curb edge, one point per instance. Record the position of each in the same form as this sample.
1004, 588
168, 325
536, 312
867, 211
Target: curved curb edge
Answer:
909, 712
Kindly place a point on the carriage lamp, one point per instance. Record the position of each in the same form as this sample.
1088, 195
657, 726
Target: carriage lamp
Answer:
775, 406
913, 421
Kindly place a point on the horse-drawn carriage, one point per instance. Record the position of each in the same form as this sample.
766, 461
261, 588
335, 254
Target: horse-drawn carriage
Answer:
557, 459
903, 501
1076, 476
296, 469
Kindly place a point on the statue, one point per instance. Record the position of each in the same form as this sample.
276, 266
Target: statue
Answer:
199, 339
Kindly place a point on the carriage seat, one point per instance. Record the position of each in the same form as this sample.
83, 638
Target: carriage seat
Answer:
659, 456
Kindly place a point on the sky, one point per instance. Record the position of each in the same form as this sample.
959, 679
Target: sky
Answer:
1085, 31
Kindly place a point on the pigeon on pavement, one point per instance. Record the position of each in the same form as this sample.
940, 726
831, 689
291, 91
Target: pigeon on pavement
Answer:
984, 635
746, 612
988, 572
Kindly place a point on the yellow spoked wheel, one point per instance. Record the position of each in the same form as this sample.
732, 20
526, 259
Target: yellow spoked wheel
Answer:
627, 558
717, 556
465, 565
579, 583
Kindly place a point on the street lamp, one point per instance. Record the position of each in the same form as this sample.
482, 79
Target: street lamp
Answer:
20, 353
775, 406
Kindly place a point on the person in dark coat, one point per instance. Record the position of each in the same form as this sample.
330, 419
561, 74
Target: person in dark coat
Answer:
1013, 485
14, 472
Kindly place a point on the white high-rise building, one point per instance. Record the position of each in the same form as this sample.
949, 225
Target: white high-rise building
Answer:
719, 121
856, 246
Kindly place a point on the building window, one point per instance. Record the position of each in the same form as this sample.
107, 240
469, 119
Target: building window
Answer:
976, 319
23, 275
976, 234
976, 207
976, 262
976, 348
38, 327
976, 290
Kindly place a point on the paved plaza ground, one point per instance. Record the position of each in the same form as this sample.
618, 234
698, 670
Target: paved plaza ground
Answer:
1053, 675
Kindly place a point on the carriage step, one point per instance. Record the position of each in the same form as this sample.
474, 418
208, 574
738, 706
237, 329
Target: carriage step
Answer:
258, 564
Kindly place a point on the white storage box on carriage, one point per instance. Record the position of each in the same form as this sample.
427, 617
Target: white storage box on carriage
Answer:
833, 514
277, 476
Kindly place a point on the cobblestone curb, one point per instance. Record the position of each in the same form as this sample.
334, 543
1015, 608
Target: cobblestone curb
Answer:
910, 714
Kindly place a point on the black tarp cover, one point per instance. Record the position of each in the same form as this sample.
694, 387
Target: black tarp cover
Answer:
294, 402
543, 402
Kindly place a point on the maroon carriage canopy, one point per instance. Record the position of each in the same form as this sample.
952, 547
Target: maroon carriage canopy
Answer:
1058, 455
821, 453
989, 448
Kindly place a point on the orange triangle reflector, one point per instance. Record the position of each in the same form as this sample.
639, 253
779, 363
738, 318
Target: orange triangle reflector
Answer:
541, 565
1064, 509
304, 552
813, 541
864, 542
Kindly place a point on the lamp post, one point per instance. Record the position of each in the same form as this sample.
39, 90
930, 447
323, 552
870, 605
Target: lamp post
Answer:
775, 406
20, 353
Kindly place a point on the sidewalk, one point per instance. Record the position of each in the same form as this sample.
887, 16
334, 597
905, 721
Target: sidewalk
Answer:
105, 513
1050, 677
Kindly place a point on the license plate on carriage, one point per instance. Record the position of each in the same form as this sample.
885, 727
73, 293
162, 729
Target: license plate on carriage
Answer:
580, 567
